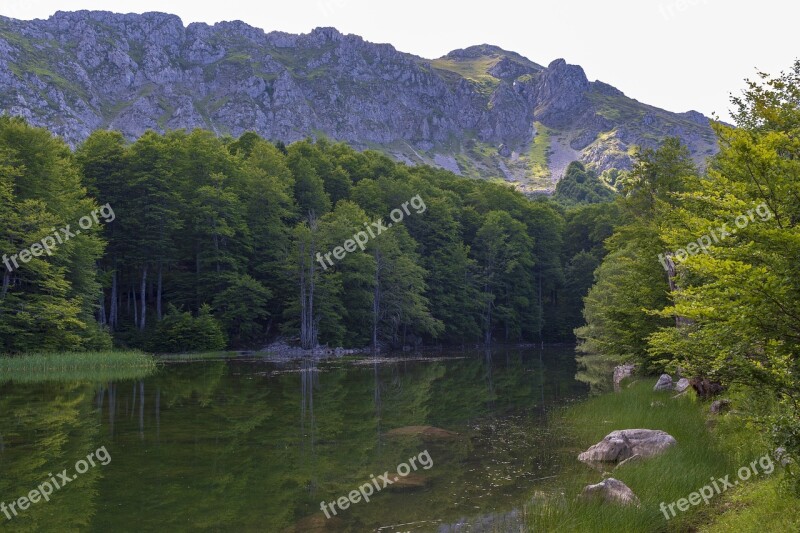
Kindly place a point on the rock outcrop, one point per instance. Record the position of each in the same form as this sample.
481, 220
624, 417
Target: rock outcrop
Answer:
622, 372
79, 71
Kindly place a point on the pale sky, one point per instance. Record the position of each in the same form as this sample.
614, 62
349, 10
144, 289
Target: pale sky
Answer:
674, 54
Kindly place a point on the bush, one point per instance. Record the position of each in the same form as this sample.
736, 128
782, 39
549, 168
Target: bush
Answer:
180, 332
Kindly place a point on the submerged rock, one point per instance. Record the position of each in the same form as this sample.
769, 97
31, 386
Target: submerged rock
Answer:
409, 482
620, 445
426, 432
611, 491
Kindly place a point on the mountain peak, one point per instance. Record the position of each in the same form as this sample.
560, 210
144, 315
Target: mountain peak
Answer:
81, 71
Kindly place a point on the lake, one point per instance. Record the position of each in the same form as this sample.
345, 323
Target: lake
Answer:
251, 444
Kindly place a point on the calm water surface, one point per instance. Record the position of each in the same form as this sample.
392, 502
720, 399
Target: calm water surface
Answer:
256, 445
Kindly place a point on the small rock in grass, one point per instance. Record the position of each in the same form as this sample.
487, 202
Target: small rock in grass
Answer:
611, 491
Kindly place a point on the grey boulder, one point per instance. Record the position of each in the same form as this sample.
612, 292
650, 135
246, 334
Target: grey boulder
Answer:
682, 385
623, 444
611, 491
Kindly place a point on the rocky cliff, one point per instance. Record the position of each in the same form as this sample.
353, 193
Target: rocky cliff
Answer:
482, 111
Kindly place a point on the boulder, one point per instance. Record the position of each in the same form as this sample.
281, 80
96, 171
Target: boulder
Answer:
620, 373
682, 385
611, 491
620, 445
664, 383
426, 432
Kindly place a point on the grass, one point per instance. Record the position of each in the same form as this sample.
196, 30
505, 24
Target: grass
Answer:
475, 70
539, 156
700, 455
76, 366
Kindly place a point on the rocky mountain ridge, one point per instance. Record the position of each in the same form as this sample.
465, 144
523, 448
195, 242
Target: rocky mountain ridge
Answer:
481, 111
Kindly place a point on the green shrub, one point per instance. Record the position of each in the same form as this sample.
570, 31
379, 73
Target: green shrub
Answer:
180, 332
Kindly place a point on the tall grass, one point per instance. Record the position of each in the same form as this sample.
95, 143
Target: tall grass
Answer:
76, 366
683, 469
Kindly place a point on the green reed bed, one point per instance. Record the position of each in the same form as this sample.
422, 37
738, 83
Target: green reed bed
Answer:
76, 366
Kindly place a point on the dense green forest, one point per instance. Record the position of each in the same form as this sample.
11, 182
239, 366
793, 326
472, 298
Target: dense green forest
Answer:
206, 242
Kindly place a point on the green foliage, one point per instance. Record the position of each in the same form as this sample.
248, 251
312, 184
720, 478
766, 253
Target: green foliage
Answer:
180, 332
49, 302
242, 309
581, 186
631, 284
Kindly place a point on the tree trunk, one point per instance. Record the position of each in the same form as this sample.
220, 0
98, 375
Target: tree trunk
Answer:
672, 273
303, 301
112, 319
376, 302
159, 291
103, 319
132, 295
6, 283
312, 285
309, 338
143, 321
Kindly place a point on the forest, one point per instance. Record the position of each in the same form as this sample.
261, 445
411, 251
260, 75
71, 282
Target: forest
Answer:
208, 242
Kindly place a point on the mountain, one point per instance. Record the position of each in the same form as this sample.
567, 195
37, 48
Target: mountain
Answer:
481, 111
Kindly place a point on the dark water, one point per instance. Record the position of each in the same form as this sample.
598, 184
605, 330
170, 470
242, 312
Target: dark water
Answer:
251, 445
